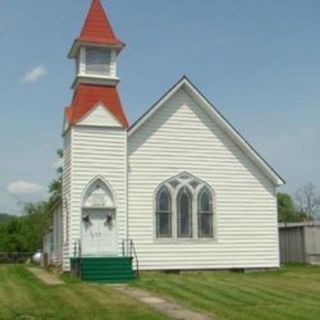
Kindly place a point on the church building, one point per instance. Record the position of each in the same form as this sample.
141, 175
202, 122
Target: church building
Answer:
179, 189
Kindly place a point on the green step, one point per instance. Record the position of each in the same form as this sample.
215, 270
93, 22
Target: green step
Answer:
111, 272
105, 269
107, 266
109, 281
94, 267
103, 272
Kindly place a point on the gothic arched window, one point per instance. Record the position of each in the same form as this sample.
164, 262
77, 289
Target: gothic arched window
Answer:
184, 208
205, 214
184, 213
164, 214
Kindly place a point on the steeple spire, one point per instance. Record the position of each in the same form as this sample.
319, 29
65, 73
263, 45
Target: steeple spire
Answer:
97, 28
95, 52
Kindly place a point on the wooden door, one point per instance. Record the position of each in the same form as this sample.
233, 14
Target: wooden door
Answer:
98, 234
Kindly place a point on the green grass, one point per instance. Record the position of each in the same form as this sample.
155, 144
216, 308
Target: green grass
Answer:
22, 296
290, 293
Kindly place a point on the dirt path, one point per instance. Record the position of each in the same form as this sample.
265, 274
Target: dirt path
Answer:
46, 277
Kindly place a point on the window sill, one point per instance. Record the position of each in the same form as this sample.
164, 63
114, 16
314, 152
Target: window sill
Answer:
181, 241
98, 208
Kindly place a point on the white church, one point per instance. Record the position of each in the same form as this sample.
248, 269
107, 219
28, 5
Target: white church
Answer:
179, 189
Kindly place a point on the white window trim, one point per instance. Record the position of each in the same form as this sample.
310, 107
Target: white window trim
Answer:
81, 65
105, 65
158, 211
194, 193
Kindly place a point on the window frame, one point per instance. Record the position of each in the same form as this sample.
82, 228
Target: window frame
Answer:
174, 185
107, 66
160, 211
182, 190
200, 211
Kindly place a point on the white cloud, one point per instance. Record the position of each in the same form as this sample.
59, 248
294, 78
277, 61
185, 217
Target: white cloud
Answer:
25, 188
35, 74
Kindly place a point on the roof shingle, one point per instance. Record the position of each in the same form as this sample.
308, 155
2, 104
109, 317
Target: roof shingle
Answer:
97, 28
87, 96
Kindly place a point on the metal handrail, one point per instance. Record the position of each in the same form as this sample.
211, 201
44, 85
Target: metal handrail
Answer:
128, 249
77, 248
77, 255
133, 249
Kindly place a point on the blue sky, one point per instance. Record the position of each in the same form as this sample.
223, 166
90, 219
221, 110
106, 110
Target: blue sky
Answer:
257, 61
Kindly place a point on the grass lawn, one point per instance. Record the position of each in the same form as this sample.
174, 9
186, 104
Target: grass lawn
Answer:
23, 297
291, 293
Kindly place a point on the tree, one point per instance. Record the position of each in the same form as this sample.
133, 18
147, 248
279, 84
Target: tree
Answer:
5, 217
25, 233
308, 201
55, 187
286, 208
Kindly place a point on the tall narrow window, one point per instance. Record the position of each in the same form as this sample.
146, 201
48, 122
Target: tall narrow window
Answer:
184, 213
164, 214
97, 61
205, 214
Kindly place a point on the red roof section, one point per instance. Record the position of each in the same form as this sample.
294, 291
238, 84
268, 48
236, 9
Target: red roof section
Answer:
97, 28
87, 96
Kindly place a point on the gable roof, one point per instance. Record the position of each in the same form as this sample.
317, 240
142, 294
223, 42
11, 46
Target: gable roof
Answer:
87, 96
212, 111
97, 28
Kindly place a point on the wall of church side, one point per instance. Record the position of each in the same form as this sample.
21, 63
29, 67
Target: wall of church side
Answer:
179, 137
57, 236
66, 188
98, 152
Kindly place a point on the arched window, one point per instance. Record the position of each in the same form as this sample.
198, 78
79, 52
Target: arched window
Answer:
163, 214
184, 213
205, 214
184, 208
98, 195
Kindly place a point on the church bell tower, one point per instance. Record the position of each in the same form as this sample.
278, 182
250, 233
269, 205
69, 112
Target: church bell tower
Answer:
96, 49
95, 52
95, 145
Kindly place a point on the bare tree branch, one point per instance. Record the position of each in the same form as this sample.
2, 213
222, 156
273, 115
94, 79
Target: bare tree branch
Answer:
308, 201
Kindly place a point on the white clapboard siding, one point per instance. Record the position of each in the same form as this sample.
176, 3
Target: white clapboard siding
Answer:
100, 116
57, 236
97, 152
66, 187
179, 137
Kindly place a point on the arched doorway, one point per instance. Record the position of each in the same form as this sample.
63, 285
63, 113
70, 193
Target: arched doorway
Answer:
98, 236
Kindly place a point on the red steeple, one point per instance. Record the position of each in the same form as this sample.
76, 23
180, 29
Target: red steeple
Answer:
87, 96
97, 28
94, 88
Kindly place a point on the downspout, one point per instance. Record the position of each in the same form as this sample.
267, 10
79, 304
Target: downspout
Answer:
127, 185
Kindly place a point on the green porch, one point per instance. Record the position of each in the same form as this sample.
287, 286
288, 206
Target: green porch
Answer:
106, 268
